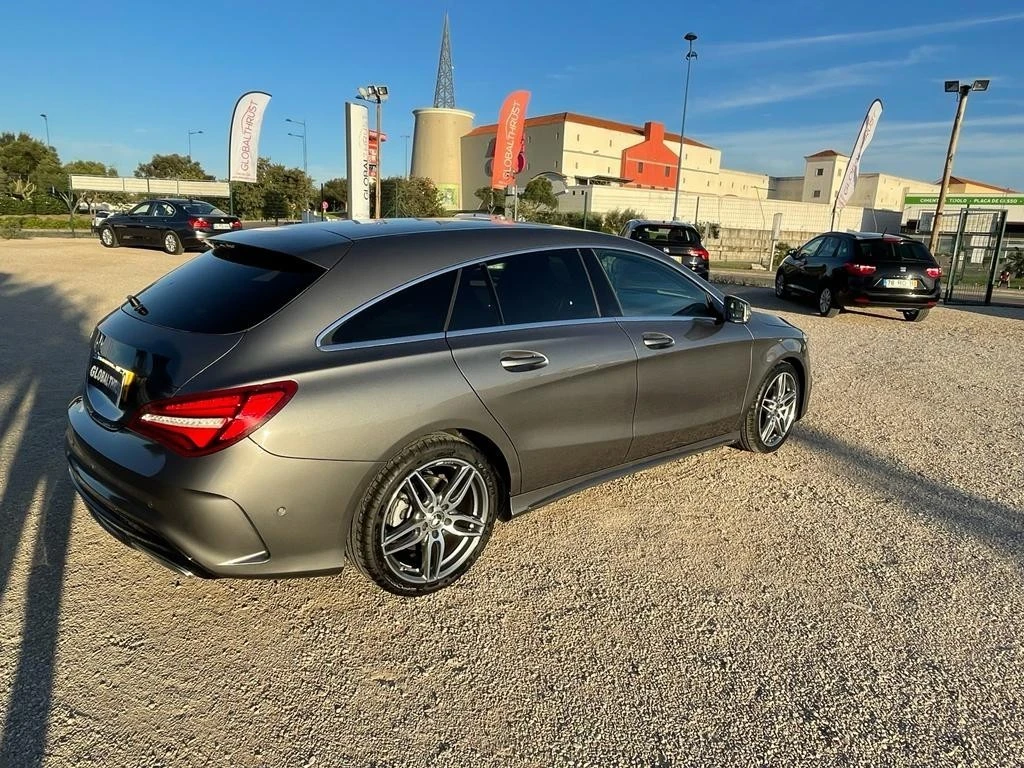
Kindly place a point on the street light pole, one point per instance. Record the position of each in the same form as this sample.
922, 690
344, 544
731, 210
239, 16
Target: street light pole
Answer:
377, 94
190, 135
962, 91
305, 164
46, 121
690, 56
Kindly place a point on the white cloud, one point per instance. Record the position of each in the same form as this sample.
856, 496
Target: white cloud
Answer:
875, 36
804, 84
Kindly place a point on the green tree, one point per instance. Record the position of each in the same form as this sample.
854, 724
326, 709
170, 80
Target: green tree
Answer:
30, 161
616, 219
413, 197
89, 168
291, 189
336, 194
172, 167
491, 200
1015, 262
539, 192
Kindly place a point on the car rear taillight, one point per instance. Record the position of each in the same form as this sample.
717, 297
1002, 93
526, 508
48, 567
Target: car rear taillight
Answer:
195, 425
198, 223
934, 272
236, 224
860, 269
702, 252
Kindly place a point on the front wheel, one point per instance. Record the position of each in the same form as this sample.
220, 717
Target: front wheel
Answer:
107, 237
172, 244
772, 414
781, 289
915, 315
827, 302
427, 517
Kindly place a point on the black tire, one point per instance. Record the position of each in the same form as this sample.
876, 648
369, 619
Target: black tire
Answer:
826, 301
752, 429
171, 243
108, 237
781, 289
915, 315
382, 504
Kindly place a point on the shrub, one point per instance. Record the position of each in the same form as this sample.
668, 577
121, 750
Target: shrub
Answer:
9, 228
39, 204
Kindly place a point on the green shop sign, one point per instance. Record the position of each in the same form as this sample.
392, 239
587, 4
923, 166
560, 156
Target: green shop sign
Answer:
979, 200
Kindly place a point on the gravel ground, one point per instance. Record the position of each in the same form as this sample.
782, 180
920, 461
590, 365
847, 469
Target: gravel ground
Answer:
855, 599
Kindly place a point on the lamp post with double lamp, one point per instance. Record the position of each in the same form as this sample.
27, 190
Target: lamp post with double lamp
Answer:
691, 54
190, 135
962, 91
376, 94
305, 166
46, 122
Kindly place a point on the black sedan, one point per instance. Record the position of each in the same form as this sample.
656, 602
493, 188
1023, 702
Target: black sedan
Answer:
863, 269
172, 224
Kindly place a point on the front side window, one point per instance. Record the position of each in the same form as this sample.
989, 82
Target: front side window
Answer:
418, 310
142, 209
646, 288
542, 286
808, 250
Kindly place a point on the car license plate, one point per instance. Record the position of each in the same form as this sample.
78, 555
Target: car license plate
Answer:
908, 284
110, 379
219, 225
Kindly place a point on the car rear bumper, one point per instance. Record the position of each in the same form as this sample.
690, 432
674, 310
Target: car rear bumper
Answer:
241, 512
889, 301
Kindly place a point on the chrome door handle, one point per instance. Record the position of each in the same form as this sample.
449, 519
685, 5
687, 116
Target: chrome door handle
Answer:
517, 360
654, 340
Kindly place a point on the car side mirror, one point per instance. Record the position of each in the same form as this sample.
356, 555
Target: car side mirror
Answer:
792, 252
737, 310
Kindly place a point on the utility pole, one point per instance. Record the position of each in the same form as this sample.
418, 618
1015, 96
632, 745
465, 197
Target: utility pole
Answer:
46, 120
690, 56
962, 91
305, 165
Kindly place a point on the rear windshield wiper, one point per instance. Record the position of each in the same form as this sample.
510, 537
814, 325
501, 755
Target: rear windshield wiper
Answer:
137, 304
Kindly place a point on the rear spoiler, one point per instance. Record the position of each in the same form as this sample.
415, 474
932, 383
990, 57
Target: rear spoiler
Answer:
309, 242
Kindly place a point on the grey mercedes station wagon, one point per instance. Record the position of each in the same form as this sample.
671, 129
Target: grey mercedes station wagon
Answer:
382, 392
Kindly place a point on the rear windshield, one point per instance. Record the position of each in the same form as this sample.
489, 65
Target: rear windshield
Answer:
873, 251
199, 208
226, 290
662, 235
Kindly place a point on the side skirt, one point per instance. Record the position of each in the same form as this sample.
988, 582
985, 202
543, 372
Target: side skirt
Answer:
525, 502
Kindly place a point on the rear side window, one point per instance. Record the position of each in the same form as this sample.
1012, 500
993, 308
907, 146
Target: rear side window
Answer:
874, 251
418, 310
226, 290
543, 286
475, 305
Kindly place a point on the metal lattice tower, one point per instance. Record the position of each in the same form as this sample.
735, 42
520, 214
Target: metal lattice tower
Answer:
444, 92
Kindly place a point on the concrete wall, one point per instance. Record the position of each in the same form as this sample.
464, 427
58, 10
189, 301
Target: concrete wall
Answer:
745, 225
437, 151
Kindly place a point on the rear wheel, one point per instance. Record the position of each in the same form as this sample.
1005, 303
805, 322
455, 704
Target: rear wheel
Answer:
172, 244
772, 414
107, 237
781, 289
427, 517
827, 302
915, 315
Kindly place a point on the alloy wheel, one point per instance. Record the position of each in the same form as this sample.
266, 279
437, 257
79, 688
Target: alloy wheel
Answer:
825, 300
170, 242
434, 520
780, 285
107, 236
778, 409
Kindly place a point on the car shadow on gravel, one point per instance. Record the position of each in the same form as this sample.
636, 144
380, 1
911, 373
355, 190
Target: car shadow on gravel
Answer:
41, 346
997, 525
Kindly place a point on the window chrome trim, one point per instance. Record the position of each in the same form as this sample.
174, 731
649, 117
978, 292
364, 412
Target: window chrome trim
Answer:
324, 335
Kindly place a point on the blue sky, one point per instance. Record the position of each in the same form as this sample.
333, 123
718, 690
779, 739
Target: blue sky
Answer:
773, 81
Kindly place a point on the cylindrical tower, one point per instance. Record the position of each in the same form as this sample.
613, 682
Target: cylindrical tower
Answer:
437, 149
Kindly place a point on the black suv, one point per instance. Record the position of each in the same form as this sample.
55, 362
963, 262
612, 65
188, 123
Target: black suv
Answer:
680, 241
862, 269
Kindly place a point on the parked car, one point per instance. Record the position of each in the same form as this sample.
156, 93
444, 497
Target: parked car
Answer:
678, 240
383, 391
172, 224
862, 269
97, 219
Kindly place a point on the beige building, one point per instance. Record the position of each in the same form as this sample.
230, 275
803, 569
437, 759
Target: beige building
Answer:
961, 186
823, 174
578, 149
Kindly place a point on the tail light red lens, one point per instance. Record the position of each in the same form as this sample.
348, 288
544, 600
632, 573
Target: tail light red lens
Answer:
195, 425
934, 272
702, 252
860, 269
198, 223
236, 224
